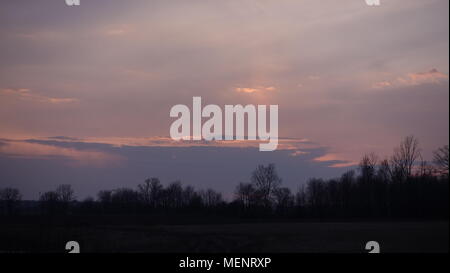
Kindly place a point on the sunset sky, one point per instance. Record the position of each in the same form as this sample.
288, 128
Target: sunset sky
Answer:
85, 92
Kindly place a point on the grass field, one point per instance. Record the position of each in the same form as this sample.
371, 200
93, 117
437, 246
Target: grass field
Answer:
421, 237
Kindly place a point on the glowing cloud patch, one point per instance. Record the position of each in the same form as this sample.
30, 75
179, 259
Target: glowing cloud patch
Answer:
412, 79
23, 149
258, 89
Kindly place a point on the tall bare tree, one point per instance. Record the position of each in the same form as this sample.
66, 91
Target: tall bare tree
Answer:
441, 159
404, 158
145, 191
150, 192
173, 195
266, 180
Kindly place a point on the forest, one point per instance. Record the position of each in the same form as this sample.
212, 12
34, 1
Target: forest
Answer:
401, 186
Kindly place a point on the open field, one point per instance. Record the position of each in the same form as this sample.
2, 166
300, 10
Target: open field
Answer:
224, 238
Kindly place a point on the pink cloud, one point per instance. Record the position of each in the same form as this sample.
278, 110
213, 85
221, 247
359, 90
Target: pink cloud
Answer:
344, 165
258, 89
333, 158
26, 94
327, 157
43, 151
296, 145
298, 153
431, 77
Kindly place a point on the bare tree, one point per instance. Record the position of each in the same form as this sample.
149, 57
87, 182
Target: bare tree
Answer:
10, 194
145, 191
425, 169
266, 180
173, 195
49, 196
384, 171
65, 193
189, 195
210, 198
125, 196
315, 190
10, 197
49, 202
156, 190
245, 193
404, 158
368, 166
300, 197
283, 198
441, 159
150, 192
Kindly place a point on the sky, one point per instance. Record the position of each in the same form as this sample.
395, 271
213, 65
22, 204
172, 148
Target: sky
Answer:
85, 92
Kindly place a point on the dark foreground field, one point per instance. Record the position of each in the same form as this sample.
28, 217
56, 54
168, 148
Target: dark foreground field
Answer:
252, 237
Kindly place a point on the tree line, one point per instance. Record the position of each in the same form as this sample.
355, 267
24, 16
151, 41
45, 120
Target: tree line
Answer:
403, 185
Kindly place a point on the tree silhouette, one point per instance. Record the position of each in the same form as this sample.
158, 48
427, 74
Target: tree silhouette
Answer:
404, 158
50, 202
65, 193
402, 186
10, 197
265, 179
245, 194
211, 198
441, 159
145, 191
284, 200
